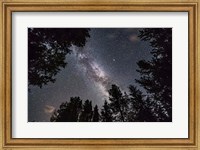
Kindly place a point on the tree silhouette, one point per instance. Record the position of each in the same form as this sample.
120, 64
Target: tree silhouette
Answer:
86, 114
152, 103
156, 74
140, 110
96, 115
117, 103
106, 113
54, 116
47, 48
68, 112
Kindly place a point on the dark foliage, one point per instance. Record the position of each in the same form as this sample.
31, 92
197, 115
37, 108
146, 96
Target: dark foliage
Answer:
47, 48
106, 113
156, 74
117, 103
152, 103
86, 114
96, 115
141, 107
75, 111
69, 111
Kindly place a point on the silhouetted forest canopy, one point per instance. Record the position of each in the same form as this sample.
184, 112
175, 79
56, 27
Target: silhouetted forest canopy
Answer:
152, 104
47, 50
149, 99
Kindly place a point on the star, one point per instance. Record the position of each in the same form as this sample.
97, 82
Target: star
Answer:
91, 70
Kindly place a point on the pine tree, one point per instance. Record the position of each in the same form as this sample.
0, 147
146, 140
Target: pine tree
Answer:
47, 48
60, 115
86, 114
69, 111
74, 108
117, 103
106, 113
156, 74
96, 115
54, 116
141, 107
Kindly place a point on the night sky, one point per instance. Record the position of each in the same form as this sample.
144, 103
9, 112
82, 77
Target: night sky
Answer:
110, 56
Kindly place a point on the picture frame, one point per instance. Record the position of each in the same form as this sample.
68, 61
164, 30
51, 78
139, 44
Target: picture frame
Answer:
10, 6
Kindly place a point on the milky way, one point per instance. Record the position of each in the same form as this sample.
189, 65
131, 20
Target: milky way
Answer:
92, 70
110, 56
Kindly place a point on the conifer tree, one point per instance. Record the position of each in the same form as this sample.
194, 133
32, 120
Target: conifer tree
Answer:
96, 115
69, 111
156, 74
86, 114
47, 48
141, 109
106, 113
117, 103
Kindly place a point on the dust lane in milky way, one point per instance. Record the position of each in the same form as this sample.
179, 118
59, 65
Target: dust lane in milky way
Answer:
92, 70
109, 57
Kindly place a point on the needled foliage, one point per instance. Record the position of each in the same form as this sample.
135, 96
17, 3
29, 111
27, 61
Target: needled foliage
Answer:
69, 111
96, 115
140, 106
118, 103
76, 111
156, 74
86, 114
47, 48
151, 102
106, 113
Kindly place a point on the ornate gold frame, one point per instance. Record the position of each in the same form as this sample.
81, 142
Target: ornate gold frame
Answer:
9, 6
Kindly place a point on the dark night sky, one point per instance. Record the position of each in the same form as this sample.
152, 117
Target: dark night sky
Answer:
109, 57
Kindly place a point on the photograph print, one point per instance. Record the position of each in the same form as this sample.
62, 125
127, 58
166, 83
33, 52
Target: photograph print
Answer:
99, 75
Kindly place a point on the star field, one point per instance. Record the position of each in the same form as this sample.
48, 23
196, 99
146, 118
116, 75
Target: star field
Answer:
110, 56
